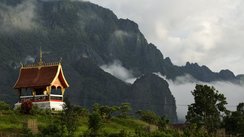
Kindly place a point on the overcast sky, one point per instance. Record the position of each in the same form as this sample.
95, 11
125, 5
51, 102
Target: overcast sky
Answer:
209, 32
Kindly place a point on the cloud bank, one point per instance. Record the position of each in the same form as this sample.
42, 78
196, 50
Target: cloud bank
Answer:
20, 17
116, 69
205, 31
182, 92
29, 59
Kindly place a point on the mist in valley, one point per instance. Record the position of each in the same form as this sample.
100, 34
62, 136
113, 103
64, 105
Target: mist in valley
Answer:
182, 92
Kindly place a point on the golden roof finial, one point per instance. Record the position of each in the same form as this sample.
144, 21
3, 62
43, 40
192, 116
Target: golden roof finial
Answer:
40, 61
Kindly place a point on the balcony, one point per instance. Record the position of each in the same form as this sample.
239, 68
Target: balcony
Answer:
41, 98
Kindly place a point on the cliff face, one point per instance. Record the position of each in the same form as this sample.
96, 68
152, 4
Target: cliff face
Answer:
74, 30
151, 92
93, 85
87, 36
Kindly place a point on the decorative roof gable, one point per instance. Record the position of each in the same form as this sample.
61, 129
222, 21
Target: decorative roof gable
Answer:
40, 76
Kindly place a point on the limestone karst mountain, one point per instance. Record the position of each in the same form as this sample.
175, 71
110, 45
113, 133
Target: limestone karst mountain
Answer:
87, 36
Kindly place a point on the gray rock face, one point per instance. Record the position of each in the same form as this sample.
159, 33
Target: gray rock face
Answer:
151, 92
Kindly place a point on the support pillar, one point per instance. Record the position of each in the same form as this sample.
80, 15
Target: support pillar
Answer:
49, 88
19, 93
33, 94
63, 90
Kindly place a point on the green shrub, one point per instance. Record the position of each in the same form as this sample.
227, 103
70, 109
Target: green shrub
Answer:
4, 106
36, 110
124, 109
148, 116
95, 122
69, 118
81, 111
122, 133
194, 131
162, 123
26, 132
54, 129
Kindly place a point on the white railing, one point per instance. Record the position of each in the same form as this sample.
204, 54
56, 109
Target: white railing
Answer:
39, 98
33, 96
56, 97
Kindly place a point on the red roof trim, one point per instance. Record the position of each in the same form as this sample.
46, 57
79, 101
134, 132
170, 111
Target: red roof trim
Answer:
39, 76
62, 79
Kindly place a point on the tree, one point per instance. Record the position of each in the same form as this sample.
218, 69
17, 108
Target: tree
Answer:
96, 107
208, 108
54, 129
234, 123
194, 131
124, 109
4, 106
94, 124
240, 108
69, 118
162, 123
148, 116
66, 123
107, 111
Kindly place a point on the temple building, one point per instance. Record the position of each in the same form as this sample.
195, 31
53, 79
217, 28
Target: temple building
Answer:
42, 83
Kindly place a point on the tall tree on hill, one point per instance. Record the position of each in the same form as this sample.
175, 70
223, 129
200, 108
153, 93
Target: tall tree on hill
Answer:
208, 108
69, 118
234, 123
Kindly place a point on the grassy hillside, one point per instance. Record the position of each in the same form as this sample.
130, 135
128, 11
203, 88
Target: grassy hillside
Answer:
14, 122
103, 121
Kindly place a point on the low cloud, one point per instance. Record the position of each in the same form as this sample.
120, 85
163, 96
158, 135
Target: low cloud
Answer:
20, 17
181, 89
185, 79
84, 55
116, 69
29, 59
121, 34
182, 92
